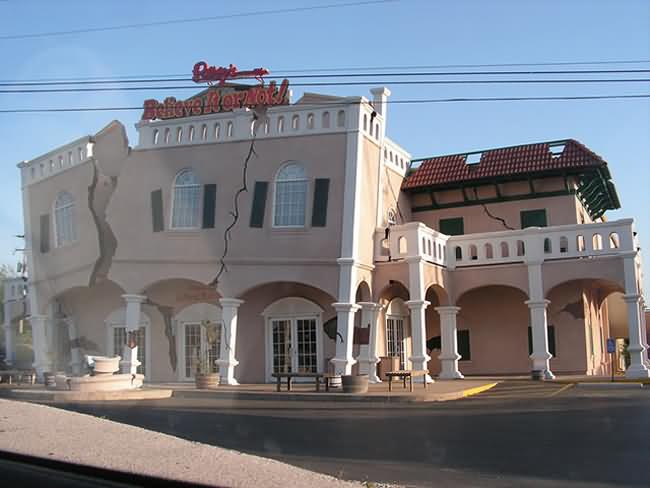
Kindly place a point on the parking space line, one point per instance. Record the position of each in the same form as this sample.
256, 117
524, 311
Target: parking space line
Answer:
557, 392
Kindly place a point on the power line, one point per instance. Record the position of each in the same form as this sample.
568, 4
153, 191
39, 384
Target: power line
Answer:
125, 78
335, 83
341, 104
195, 20
345, 75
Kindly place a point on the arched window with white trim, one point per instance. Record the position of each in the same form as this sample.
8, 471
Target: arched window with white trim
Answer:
290, 196
65, 225
186, 200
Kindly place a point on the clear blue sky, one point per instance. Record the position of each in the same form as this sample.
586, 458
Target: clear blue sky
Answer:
410, 32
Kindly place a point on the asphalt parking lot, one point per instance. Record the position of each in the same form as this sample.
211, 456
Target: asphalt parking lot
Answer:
517, 434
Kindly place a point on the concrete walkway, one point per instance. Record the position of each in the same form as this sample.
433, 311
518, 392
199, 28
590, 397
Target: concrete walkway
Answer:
439, 391
51, 433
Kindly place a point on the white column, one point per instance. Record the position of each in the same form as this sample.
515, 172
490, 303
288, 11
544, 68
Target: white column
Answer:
644, 332
129, 363
417, 305
227, 361
343, 361
537, 305
419, 357
632, 298
42, 360
75, 350
449, 343
9, 333
539, 326
638, 367
368, 353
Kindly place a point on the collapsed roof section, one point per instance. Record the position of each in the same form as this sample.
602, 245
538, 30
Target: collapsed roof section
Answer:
554, 158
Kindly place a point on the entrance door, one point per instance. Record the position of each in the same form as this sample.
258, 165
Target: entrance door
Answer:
395, 341
197, 345
293, 346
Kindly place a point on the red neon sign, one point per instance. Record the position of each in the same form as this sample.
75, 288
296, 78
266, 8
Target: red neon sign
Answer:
217, 100
202, 72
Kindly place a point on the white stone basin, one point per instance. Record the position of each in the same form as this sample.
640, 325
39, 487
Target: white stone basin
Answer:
105, 364
113, 382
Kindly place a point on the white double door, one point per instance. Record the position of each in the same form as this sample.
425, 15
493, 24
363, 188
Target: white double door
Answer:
294, 345
196, 347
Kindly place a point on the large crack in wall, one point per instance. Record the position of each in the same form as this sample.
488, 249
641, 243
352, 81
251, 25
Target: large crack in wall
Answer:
167, 314
105, 236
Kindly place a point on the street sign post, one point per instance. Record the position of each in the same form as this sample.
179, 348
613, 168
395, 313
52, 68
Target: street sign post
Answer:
611, 349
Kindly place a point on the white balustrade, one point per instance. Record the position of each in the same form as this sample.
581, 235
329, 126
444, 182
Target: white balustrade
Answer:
526, 245
56, 161
282, 121
396, 157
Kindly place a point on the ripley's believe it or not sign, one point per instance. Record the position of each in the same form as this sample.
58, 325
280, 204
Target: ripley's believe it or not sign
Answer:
222, 99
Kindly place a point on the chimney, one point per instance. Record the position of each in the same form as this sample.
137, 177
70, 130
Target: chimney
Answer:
380, 100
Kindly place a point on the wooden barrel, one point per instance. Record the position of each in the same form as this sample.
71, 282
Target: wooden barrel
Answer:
207, 381
335, 382
355, 383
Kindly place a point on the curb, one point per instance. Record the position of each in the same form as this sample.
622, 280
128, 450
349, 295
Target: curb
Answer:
86, 396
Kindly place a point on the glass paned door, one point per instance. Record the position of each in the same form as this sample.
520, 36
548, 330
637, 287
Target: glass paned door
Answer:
294, 345
395, 342
281, 346
307, 352
119, 341
196, 344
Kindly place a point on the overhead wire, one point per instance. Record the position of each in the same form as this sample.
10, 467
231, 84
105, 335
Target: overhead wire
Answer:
124, 78
343, 75
141, 25
346, 103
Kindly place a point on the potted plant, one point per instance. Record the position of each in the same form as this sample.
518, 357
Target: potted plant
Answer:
355, 383
205, 378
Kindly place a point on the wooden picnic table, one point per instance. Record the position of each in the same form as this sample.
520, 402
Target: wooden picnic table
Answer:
405, 374
20, 375
326, 377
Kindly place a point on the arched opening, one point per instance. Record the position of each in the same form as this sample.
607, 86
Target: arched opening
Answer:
402, 245
548, 249
582, 315
326, 120
597, 242
614, 241
504, 250
488, 251
310, 121
473, 252
286, 326
521, 248
491, 341
363, 292
340, 118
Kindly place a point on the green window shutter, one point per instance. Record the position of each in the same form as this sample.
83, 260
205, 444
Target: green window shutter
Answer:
551, 340
550, 332
209, 202
157, 220
259, 204
533, 218
463, 345
45, 233
452, 227
321, 194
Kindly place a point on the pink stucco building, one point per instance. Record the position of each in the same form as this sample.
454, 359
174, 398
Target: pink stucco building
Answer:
499, 262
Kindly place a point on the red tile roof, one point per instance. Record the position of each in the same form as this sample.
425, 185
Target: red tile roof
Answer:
503, 162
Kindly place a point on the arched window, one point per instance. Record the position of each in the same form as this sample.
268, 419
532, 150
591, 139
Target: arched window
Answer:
326, 120
155, 136
310, 121
290, 196
65, 225
190, 135
167, 136
340, 118
186, 200
217, 131
179, 134
280, 124
229, 129
295, 122
204, 132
